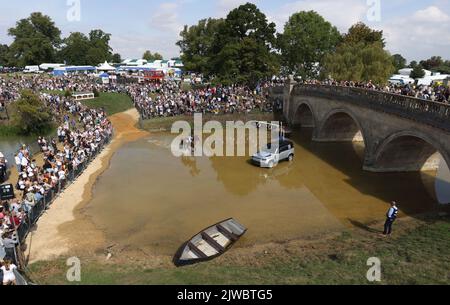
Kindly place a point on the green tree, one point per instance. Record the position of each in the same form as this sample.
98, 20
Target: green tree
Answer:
413, 64
433, 63
436, 64
244, 47
5, 55
149, 56
32, 116
75, 49
196, 45
36, 39
360, 62
399, 62
99, 51
361, 33
307, 38
417, 72
79, 49
116, 58
444, 67
360, 57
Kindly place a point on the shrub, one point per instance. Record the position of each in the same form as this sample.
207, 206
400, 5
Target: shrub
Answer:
32, 117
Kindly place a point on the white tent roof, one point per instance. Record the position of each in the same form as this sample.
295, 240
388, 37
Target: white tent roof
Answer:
106, 67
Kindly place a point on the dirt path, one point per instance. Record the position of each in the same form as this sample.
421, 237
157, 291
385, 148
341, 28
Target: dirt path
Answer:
63, 229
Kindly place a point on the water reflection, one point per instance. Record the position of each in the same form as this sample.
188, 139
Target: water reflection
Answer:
191, 163
443, 183
9, 145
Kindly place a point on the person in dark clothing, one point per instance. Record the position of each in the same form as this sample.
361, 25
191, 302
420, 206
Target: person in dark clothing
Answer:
391, 217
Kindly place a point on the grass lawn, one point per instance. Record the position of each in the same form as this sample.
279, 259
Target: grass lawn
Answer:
54, 92
112, 102
418, 255
9, 131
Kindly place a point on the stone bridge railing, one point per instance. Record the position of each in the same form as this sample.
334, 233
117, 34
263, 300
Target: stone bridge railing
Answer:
276, 90
431, 113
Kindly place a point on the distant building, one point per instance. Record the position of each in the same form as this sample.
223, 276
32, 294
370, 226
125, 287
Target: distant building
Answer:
156, 64
134, 62
50, 67
434, 78
408, 71
401, 79
74, 69
178, 64
405, 72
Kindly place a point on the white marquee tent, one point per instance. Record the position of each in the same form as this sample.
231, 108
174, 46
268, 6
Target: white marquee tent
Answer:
106, 67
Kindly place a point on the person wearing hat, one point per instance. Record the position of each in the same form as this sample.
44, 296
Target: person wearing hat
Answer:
29, 199
391, 215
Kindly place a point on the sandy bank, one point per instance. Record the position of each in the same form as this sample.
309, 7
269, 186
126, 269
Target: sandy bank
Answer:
63, 230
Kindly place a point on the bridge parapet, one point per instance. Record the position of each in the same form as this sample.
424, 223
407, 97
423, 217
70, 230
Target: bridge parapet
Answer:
428, 112
276, 90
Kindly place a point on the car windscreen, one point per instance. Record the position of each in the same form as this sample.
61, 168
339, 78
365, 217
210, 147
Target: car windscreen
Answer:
272, 148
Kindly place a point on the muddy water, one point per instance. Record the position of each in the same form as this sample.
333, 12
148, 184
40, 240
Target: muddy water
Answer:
150, 199
10, 145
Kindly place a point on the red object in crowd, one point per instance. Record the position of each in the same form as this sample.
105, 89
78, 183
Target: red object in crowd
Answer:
14, 220
154, 75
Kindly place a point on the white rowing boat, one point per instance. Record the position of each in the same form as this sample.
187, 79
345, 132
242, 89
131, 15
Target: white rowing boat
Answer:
210, 243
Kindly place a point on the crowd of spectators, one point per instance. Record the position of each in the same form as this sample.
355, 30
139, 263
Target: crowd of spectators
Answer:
168, 99
434, 93
78, 138
10, 87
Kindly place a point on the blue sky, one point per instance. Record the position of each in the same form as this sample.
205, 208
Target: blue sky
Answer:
416, 29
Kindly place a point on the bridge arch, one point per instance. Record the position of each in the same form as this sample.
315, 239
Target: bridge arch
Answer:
340, 125
408, 151
304, 116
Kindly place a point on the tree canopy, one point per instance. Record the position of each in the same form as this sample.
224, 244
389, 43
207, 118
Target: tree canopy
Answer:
238, 49
75, 48
360, 62
417, 72
36, 39
116, 58
196, 44
360, 57
361, 33
149, 56
32, 115
5, 55
307, 38
79, 49
436, 64
244, 47
399, 62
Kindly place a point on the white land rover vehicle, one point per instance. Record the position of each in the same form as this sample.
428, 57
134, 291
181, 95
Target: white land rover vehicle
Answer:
274, 154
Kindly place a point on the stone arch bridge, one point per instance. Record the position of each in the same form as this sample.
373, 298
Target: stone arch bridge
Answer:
400, 133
